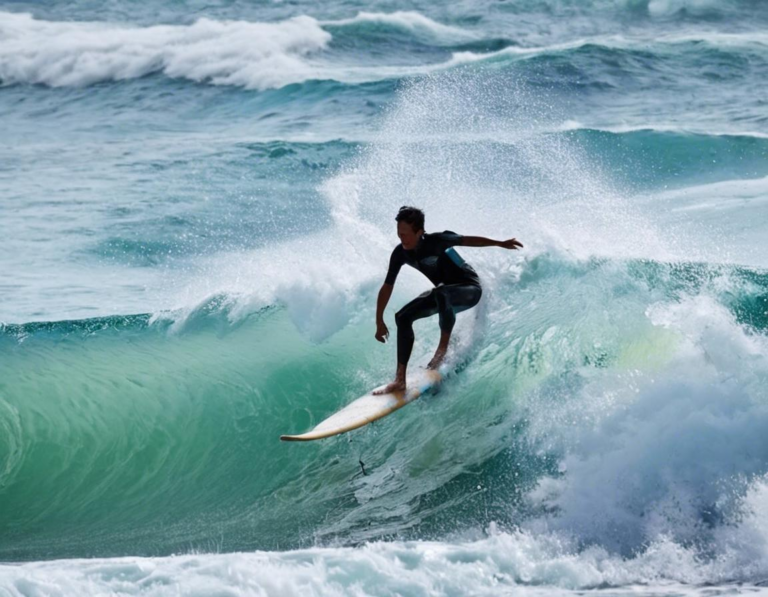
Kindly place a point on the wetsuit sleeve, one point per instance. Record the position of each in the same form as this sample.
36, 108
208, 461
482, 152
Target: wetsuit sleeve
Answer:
395, 263
450, 239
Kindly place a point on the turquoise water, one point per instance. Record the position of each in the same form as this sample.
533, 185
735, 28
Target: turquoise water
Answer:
196, 213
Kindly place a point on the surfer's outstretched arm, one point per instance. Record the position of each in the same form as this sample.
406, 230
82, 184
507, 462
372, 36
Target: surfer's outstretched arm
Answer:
481, 241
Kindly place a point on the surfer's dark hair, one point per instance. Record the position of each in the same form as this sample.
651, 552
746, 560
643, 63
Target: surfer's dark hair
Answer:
413, 215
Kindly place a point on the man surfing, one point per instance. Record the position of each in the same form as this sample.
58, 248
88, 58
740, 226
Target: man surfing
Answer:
457, 286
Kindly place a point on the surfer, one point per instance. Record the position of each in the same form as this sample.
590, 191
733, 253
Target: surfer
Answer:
457, 286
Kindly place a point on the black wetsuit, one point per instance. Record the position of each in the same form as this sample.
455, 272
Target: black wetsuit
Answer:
457, 286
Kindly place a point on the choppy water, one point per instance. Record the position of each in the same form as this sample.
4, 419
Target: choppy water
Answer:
196, 213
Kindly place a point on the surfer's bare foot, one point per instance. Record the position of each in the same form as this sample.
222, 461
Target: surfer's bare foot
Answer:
395, 386
437, 360
442, 348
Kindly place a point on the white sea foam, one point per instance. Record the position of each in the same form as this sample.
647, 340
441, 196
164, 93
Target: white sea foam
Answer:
252, 55
727, 219
245, 54
323, 280
502, 563
538, 188
668, 454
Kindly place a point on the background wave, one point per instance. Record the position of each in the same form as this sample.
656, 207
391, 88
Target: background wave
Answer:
271, 55
656, 12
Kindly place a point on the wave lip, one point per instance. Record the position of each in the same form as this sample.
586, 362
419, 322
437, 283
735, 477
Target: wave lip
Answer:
424, 28
757, 41
252, 55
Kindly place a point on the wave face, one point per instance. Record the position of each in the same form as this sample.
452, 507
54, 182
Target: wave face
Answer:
579, 447
115, 427
196, 213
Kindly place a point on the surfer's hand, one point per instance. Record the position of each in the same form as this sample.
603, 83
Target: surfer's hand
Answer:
512, 243
382, 332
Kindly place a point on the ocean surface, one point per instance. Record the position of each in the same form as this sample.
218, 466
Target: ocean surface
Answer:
197, 203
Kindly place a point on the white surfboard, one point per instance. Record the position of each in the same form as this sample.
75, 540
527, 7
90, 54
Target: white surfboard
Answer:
369, 408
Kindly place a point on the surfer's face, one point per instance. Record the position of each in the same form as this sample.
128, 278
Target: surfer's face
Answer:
408, 236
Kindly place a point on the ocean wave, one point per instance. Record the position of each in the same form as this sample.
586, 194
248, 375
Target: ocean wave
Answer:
730, 213
647, 158
656, 9
252, 55
180, 425
172, 11
412, 22
677, 455
159, 436
697, 8
503, 562
454, 141
264, 56
671, 128
756, 41
246, 54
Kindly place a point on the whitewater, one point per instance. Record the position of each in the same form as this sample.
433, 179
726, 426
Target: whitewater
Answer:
197, 208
